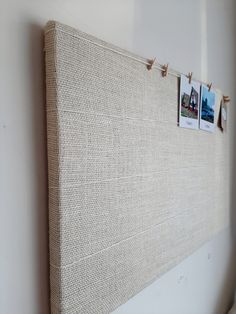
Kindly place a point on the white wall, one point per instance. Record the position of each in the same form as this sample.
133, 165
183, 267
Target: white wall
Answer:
193, 36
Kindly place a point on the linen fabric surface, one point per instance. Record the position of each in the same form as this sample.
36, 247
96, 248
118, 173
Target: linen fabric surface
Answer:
130, 193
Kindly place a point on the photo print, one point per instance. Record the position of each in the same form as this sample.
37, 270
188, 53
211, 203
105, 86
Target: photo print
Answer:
207, 110
189, 103
222, 116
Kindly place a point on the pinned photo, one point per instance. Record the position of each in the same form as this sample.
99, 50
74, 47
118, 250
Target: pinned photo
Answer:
189, 103
207, 112
222, 116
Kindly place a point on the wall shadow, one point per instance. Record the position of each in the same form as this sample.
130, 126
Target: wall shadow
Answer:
38, 102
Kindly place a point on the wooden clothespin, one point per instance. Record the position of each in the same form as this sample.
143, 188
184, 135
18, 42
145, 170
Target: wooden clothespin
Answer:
151, 63
189, 76
165, 69
209, 86
226, 99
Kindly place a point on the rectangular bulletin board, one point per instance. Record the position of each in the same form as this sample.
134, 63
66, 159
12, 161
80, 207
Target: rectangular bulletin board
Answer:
130, 193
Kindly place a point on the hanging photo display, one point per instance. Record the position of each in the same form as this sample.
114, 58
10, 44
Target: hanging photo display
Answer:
207, 109
189, 103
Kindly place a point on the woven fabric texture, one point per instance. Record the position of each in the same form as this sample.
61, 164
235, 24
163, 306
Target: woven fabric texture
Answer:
130, 193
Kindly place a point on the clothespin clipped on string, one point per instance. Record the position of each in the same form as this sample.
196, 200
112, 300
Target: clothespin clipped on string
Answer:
165, 70
209, 87
189, 76
226, 99
150, 63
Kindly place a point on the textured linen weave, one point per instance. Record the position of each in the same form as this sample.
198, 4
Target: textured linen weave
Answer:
130, 193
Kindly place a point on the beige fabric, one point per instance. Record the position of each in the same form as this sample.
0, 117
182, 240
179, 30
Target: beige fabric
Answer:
130, 193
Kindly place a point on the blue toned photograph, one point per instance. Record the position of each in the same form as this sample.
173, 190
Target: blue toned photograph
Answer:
207, 105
